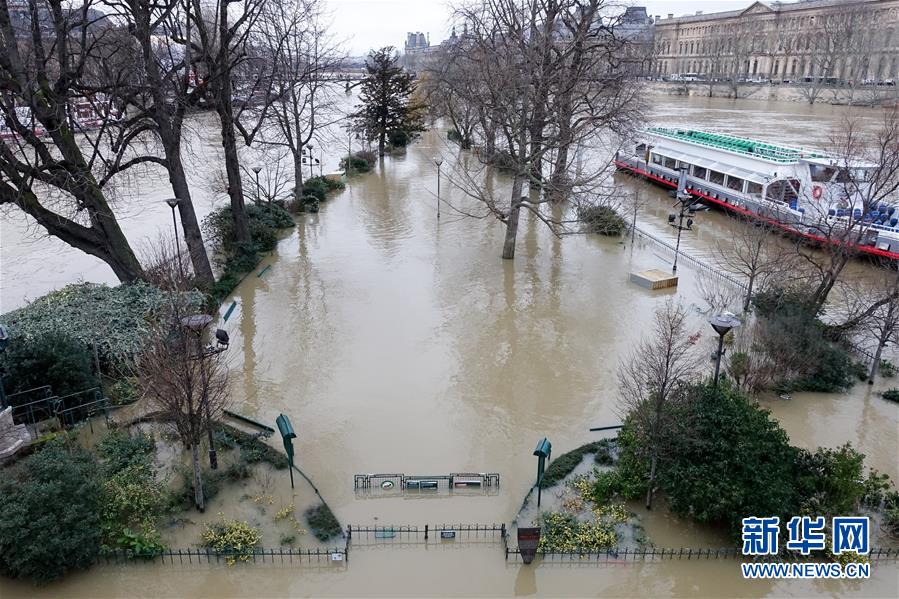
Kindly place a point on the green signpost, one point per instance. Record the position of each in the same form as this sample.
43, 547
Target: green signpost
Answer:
287, 436
543, 451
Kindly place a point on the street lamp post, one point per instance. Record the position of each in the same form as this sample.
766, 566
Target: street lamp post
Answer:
173, 203
196, 324
4, 342
311, 160
683, 199
438, 160
723, 324
256, 170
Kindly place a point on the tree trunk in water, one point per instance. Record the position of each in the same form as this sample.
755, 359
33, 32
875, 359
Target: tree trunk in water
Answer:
748, 298
189, 224
382, 139
652, 480
199, 498
559, 187
512, 222
298, 177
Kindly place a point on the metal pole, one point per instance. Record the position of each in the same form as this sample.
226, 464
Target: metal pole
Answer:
718, 358
177, 243
634, 222
438, 191
290, 459
680, 226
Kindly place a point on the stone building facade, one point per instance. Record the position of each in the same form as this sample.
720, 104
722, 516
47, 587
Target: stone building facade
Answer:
838, 41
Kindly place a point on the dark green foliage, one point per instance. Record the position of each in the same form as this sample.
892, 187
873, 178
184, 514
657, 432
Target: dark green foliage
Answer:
891, 395
356, 164
793, 336
387, 105
607, 485
253, 449
454, 136
315, 188
311, 204
730, 459
322, 522
399, 138
829, 481
603, 220
891, 514
633, 462
50, 516
563, 465
119, 451
48, 359
123, 391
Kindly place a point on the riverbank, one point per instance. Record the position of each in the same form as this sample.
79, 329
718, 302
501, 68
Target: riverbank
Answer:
763, 92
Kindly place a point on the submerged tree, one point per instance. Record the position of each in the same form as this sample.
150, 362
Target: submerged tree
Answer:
185, 381
387, 103
652, 377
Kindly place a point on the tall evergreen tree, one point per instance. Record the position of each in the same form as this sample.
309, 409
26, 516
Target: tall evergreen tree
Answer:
387, 103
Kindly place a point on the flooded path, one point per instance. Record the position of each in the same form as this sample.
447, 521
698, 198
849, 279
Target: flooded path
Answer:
397, 343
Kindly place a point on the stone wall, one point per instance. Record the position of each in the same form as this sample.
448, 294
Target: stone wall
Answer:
861, 96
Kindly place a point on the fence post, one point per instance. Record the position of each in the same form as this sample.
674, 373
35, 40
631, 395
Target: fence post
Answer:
426, 532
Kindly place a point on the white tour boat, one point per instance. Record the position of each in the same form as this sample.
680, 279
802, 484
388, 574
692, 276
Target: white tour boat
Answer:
808, 193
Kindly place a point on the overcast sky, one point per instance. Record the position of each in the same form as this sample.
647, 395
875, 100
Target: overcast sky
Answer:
366, 24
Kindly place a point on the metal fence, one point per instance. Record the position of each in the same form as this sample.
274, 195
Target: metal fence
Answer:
684, 553
189, 556
695, 262
367, 535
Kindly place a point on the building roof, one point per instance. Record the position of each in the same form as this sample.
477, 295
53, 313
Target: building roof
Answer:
760, 7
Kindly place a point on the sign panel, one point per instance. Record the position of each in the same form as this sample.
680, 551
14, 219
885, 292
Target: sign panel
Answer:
528, 541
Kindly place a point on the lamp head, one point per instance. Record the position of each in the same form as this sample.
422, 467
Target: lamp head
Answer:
723, 323
172, 202
438, 160
256, 169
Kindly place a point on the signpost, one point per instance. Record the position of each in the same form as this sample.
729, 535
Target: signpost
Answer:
287, 436
543, 451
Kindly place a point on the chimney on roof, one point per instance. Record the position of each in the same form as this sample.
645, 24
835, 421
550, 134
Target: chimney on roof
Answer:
671, 15
658, 18
698, 12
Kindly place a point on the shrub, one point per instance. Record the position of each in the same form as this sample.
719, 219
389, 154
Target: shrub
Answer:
316, 188
123, 391
891, 395
606, 486
77, 312
50, 517
120, 451
48, 359
399, 138
731, 448
322, 522
264, 221
887, 369
359, 162
236, 540
829, 481
564, 533
311, 204
133, 503
563, 465
603, 220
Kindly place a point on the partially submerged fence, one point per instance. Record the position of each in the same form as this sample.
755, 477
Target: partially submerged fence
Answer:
695, 262
683, 553
370, 535
36, 405
284, 555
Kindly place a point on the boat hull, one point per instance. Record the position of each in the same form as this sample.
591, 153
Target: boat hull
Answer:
811, 238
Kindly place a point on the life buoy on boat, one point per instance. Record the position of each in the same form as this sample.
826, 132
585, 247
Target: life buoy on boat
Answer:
817, 192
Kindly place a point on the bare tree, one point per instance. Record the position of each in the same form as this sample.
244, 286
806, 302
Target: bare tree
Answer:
185, 381
45, 172
299, 100
756, 255
830, 47
552, 78
651, 378
867, 175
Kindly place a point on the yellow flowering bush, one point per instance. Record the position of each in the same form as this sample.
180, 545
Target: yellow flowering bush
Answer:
564, 533
235, 539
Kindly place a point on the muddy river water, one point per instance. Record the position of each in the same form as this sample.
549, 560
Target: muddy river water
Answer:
397, 343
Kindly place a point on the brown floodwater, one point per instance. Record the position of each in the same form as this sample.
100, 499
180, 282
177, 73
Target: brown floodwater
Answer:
397, 343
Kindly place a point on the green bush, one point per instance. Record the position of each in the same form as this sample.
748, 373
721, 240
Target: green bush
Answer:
322, 522
123, 391
732, 460
316, 188
891, 395
359, 162
399, 138
606, 486
50, 514
51, 359
119, 451
114, 318
829, 481
563, 465
236, 540
133, 503
602, 220
311, 204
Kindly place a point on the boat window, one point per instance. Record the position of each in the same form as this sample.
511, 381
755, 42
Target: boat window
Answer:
716, 177
657, 159
753, 188
671, 163
700, 172
734, 183
844, 176
822, 174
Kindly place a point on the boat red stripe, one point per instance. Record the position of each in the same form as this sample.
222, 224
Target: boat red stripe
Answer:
748, 213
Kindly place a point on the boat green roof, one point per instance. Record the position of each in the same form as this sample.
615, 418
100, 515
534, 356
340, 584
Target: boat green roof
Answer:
739, 145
